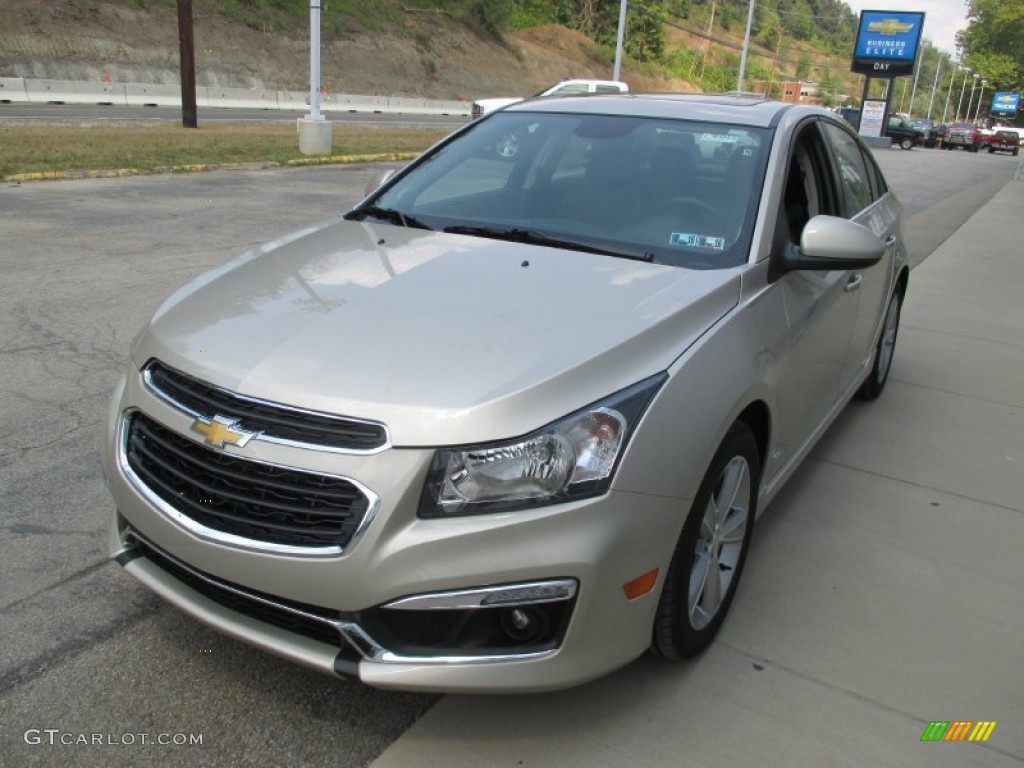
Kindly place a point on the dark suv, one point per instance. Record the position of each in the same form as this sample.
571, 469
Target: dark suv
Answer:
927, 129
901, 133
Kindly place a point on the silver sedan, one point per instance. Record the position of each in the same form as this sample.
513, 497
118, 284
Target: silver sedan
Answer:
508, 423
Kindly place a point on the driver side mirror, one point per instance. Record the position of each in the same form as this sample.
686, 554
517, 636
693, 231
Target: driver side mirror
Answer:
830, 243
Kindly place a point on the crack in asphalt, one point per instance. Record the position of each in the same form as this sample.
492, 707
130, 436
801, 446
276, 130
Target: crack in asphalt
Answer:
42, 663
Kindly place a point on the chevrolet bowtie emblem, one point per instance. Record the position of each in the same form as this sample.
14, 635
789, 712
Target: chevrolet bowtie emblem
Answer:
220, 431
889, 27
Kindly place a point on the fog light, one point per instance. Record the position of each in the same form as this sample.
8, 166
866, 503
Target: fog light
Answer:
523, 624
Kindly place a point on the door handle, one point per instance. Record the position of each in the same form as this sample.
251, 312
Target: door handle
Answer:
853, 283
890, 241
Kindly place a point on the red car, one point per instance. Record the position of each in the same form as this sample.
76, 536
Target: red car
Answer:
963, 135
1004, 141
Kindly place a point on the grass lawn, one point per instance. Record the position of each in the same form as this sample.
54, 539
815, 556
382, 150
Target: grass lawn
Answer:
151, 146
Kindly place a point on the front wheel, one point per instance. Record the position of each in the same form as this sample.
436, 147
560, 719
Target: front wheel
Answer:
875, 383
708, 559
906, 143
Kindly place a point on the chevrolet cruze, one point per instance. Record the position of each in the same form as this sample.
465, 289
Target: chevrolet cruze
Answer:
509, 422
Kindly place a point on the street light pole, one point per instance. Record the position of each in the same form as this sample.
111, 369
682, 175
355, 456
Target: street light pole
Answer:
617, 74
314, 60
977, 109
746, 47
949, 91
974, 84
935, 85
314, 130
917, 74
963, 87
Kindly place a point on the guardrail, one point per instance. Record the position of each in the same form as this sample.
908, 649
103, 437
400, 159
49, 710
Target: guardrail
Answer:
37, 91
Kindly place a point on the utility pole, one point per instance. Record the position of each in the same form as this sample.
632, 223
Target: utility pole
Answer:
187, 54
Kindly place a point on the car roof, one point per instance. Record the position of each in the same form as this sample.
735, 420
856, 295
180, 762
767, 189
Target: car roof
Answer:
717, 108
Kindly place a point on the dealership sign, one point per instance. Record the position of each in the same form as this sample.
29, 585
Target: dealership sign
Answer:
887, 43
1005, 104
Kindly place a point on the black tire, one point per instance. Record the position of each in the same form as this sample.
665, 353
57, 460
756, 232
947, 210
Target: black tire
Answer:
884, 350
906, 143
735, 471
991, 151
1015, 152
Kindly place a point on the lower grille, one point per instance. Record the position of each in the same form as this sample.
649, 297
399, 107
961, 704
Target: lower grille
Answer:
233, 495
299, 618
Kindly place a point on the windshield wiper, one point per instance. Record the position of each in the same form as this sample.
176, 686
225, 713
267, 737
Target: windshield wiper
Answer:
387, 214
532, 237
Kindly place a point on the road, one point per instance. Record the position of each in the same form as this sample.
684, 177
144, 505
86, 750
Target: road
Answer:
83, 649
89, 113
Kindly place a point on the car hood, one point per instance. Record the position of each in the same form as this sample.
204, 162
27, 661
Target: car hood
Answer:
444, 338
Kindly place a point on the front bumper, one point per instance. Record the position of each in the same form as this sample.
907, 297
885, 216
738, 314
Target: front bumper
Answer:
598, 545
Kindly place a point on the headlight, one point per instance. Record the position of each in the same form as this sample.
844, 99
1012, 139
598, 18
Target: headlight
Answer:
573, 458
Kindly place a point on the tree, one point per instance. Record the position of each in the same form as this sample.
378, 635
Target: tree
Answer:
803, 66
993, 42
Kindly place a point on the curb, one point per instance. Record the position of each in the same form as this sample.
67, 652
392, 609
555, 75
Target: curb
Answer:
68, 175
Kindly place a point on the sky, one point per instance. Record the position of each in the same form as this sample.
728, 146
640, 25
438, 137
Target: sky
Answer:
943, 18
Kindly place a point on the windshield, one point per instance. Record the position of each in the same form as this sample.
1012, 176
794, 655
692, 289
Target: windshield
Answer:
671, 191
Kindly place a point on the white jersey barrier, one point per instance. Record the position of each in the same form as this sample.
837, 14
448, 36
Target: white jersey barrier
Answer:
36, 91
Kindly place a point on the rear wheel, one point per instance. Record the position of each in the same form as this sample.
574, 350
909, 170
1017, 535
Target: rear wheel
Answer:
712, 548
875, 383
907, 143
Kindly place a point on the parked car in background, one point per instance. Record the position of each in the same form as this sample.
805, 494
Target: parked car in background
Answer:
900, 131
1004, 141
576, 87
509, 422
926, 129
850, 115
963, 136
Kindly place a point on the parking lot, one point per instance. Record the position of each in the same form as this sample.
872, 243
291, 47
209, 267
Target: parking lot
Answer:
883, 588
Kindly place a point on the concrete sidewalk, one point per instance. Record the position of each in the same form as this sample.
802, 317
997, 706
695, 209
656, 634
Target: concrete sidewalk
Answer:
884, 589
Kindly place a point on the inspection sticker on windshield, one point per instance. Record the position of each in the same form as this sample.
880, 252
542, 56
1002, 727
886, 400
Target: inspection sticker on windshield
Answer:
697, 241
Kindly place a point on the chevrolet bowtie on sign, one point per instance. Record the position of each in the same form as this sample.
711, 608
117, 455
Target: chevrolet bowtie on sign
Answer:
887, 43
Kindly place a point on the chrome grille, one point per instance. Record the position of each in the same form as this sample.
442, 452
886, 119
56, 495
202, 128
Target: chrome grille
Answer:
243, 498
273, 421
